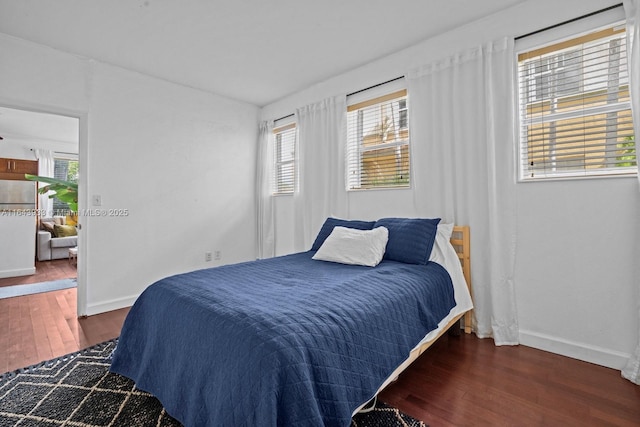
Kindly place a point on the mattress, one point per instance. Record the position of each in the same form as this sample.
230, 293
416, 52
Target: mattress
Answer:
283, 341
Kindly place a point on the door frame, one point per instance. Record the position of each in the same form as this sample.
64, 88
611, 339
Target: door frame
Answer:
83, 159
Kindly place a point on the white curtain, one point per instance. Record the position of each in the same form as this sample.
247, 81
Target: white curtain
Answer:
264, 176
462, 129
321, 190
45, 168
632, 12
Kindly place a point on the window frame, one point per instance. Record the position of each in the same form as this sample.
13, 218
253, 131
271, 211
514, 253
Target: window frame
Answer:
59, 207
550, 39
278, 132
380, 95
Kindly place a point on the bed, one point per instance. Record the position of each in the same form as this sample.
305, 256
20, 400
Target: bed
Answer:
295, 340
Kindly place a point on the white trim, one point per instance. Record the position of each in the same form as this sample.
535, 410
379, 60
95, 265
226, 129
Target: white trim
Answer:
110, 305
560, 176
576, 350
19, 272
83, 203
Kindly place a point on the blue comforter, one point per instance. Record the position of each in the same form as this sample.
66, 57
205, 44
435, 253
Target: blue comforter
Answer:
287, 341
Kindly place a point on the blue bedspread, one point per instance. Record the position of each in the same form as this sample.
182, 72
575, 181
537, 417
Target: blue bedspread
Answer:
287, 341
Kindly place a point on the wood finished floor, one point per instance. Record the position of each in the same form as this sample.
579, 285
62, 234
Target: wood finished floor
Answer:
43, 326
459, 381
464, 381
45, 271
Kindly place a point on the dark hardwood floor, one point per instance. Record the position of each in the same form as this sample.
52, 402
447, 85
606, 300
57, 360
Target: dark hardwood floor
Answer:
466, 381
459, 381
45, 271
43, 326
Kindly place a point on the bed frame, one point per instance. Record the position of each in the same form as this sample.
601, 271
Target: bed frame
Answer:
461, 242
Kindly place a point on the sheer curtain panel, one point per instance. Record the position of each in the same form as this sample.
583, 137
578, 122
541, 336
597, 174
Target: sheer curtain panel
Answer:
321, 190
45, 168
264, 169
462, 117
632, 12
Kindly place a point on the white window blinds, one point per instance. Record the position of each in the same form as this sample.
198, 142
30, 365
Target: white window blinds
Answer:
378, 142
285, 159
575, 113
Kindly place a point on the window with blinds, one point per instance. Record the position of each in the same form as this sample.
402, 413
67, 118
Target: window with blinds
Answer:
378, 142
285, 159
575, 112
65, 169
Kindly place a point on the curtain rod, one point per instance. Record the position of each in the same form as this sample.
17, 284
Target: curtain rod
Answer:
284, 117
57, 152
352, 93
517, 38
379, 84
569, 21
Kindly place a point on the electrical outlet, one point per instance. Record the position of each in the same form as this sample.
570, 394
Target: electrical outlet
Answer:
96, 200
217, 255
207, 256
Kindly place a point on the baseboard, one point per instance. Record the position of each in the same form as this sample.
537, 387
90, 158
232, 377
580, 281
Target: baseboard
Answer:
17, 273
587, 353
110, 305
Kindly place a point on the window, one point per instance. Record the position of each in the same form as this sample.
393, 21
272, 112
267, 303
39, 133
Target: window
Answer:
575, 112
378, 142
285, 159
65, 169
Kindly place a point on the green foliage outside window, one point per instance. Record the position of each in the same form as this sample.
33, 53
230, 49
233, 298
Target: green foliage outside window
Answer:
627, 157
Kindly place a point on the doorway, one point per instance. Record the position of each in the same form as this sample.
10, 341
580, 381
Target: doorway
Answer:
52, 138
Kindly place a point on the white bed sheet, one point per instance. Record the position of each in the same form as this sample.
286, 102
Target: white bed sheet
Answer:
444, 254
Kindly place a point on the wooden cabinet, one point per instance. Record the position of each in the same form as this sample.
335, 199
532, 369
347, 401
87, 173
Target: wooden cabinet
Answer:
16, 168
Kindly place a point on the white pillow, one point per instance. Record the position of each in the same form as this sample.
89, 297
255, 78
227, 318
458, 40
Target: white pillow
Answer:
443, 235
351, 246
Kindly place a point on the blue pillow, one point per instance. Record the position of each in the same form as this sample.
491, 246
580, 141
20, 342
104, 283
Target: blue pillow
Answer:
410, 239
328, 225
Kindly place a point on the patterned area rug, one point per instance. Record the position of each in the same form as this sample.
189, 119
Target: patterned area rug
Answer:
79, 390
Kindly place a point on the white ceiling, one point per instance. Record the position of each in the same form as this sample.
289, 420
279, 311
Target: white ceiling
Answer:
20, 124
256, 51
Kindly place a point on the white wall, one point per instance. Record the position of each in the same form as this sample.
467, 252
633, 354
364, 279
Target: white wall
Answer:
18, 244
181, 161
576, 275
